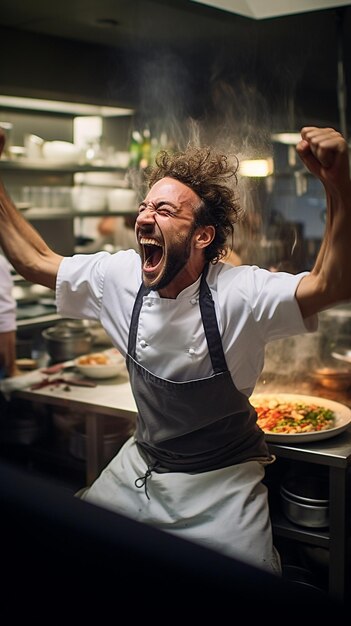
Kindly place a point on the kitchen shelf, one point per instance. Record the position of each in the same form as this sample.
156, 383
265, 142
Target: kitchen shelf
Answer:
313, 536
52, 213
38, 321
47, 167
334, 454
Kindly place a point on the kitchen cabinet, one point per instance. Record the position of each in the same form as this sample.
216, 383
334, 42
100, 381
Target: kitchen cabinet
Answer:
335, 455
110, 399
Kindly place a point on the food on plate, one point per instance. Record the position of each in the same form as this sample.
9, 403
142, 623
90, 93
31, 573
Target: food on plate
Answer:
94, 359
107, 364
277, 416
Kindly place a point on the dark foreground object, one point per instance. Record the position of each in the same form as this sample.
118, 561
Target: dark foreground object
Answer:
64, 561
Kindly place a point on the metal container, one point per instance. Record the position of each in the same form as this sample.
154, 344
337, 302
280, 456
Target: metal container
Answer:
301, 576
305, 499
66, 341
308, 515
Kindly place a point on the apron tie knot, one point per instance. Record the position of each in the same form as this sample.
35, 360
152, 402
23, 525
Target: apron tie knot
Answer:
142, 480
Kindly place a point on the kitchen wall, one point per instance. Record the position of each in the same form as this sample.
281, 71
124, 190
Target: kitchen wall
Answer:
206, 76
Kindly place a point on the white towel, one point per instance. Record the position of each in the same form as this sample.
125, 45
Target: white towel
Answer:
8, 385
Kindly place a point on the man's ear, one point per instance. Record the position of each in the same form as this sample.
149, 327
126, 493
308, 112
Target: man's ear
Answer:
204, 235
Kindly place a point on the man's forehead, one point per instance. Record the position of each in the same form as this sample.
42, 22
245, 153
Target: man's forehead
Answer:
171, 189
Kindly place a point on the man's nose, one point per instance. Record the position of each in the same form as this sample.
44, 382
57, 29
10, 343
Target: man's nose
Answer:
147, 215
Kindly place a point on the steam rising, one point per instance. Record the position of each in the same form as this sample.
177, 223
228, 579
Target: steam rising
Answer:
237, 120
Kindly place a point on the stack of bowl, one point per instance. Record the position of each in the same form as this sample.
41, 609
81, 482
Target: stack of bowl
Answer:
305, 500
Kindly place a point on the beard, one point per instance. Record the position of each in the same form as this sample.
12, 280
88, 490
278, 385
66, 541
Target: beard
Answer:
176, 257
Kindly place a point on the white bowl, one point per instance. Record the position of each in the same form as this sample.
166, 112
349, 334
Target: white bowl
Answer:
63, 151
121, 159
86, 198
100, 365
123, 200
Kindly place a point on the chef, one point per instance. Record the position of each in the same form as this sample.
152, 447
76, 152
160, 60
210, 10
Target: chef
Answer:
193, 331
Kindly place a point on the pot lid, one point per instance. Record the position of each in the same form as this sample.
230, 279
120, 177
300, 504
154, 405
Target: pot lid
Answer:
66, 330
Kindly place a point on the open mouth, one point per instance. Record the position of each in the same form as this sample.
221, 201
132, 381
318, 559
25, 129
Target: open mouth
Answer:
152, 254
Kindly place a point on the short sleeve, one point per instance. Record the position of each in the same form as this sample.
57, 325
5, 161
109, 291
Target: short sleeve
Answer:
275, 307
79, 285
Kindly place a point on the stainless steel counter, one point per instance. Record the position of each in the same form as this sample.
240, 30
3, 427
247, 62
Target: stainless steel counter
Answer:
112, 397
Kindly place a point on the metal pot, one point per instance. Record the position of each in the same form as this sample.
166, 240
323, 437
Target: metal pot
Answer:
67, 340
305, 499
311, 516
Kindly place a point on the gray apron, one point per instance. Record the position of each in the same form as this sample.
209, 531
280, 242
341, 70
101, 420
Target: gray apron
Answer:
197, 425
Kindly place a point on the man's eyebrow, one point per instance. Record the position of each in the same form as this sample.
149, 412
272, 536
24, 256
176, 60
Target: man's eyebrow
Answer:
169, 202
159, 203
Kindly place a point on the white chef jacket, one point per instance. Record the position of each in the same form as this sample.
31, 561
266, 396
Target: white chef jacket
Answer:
224, 509
253, 306
7, 301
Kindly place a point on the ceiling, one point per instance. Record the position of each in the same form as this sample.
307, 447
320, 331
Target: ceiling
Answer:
271, 8
290, 61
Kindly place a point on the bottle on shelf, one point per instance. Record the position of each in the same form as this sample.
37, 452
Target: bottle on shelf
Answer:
135, 149
145, 149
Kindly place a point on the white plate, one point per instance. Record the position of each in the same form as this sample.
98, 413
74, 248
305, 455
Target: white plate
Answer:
342, 417
114, 367
344, 355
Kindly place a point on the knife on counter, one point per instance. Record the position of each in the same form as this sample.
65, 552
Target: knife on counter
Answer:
77, 382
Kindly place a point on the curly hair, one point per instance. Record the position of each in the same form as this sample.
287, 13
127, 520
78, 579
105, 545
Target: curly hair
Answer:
210, 175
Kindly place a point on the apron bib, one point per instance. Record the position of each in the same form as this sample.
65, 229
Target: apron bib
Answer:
197, 425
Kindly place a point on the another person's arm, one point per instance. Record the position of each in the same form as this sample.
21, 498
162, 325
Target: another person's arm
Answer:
107, 226
325, 153
7, 322
22, 244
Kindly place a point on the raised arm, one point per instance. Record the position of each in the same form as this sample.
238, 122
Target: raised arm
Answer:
22, 244
325, 153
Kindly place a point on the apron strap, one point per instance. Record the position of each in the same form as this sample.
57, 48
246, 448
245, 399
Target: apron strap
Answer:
210, 324
143, 291
209, 320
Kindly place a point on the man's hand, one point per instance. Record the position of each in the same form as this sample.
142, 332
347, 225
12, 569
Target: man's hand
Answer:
324, 152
